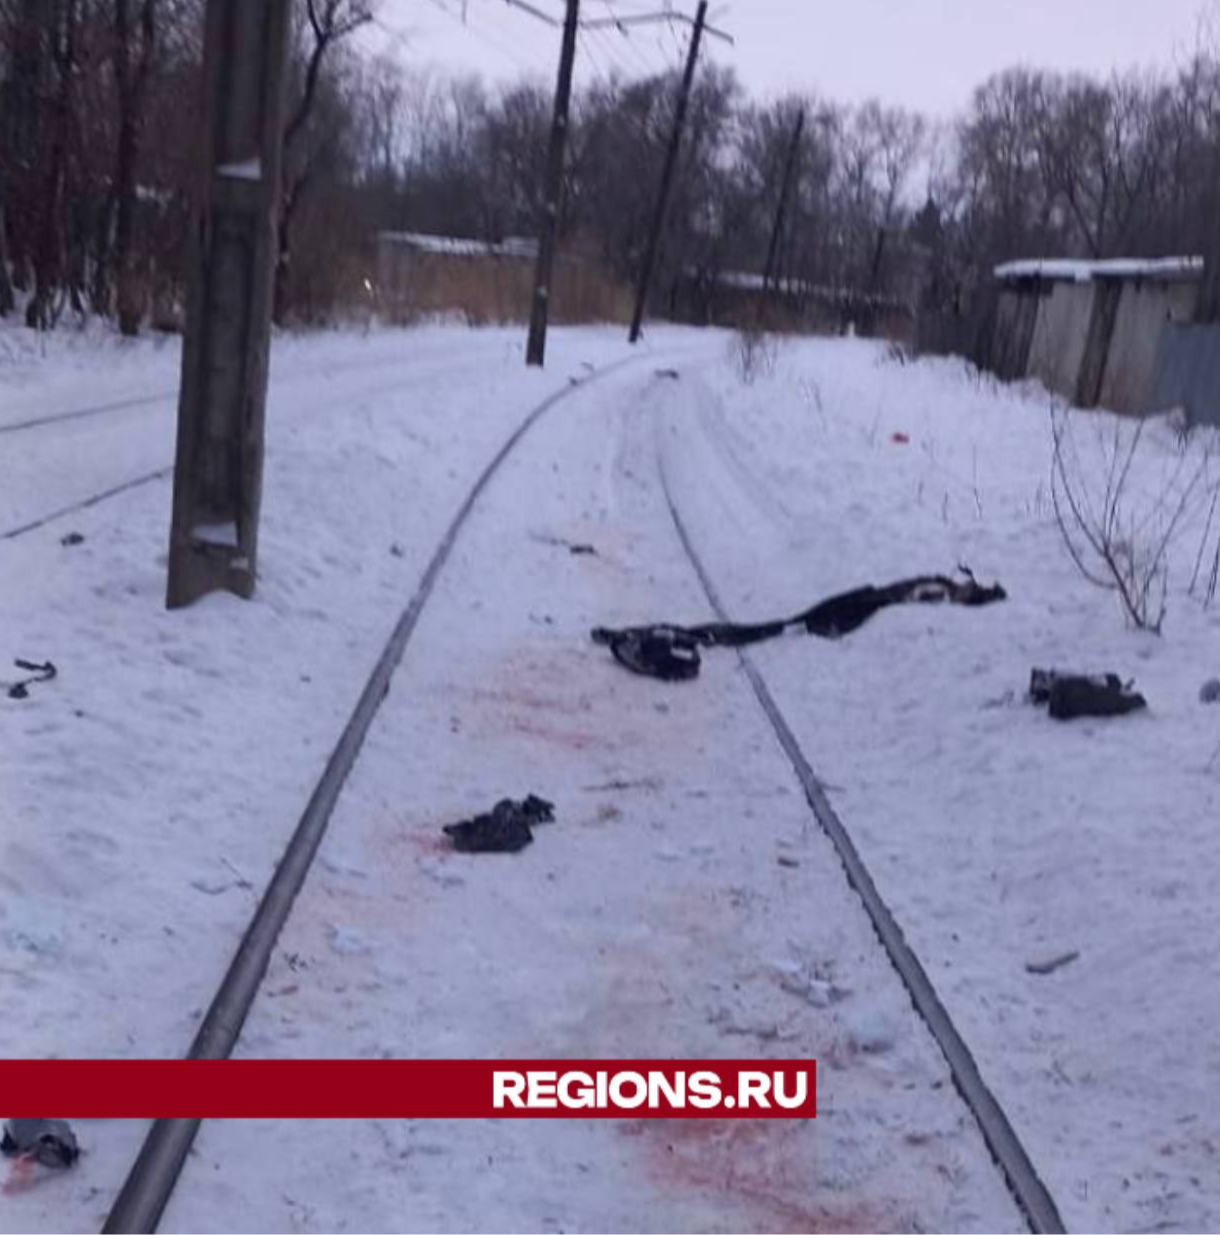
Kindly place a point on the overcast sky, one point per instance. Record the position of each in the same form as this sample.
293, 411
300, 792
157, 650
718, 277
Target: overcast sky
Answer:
927, 54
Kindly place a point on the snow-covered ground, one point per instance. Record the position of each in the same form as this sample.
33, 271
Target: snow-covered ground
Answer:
148, 791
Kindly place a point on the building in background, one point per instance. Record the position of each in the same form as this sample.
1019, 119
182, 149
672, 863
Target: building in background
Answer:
1117, 334
420, 275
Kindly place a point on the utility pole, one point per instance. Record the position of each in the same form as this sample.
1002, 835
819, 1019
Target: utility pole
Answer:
781, 210
218, 470
667, 176
553, 194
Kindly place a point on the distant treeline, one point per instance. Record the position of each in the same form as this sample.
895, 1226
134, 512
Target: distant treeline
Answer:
98, 125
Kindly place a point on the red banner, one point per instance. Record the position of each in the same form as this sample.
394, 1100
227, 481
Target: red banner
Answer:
409, 1089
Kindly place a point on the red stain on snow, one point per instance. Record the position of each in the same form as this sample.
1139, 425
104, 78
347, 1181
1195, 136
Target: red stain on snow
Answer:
763, 1169
21, 1177
569, 739
427, 842
521, 697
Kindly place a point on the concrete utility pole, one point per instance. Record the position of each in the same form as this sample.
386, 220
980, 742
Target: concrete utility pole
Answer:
782, 209
667, 176
219, 466
553, 195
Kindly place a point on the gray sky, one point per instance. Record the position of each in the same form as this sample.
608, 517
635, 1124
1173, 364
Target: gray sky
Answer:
924, 53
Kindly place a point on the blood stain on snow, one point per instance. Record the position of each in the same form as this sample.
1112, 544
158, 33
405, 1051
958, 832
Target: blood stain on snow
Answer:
764, 1169
534, 700
426, 840
21, 1177
570, 739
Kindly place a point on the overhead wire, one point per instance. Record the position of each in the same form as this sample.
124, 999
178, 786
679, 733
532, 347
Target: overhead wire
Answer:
484, 33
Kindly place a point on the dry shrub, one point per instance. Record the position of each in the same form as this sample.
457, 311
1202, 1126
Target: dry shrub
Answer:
755, 347
1117, 530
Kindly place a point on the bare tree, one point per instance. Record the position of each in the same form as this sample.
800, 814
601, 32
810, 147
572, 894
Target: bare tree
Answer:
131, 84
327, 24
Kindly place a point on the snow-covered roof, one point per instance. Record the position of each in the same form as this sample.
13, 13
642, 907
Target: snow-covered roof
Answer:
746, 281
1075, 271
459, 246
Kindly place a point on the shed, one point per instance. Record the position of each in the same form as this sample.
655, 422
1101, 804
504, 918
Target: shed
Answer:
1093, 331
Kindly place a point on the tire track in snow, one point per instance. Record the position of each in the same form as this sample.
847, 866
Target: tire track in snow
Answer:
161, 1160
1030, 1193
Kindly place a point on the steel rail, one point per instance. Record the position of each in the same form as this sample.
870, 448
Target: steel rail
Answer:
151, 1180
1010, 1155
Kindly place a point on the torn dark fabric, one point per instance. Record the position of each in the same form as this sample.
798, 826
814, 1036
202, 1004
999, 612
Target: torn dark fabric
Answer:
42, 673
1071, 695
504, 829
840, 615
671, 653
49, 1141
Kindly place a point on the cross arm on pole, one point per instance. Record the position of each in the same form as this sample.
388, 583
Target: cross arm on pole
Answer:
642, 19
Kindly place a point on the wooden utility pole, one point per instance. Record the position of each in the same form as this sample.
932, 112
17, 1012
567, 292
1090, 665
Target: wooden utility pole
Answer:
667, 176
219, 466
553, 194
782, 209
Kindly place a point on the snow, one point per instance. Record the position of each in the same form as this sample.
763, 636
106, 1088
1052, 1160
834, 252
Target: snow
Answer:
1077, 271
684, 903
452, 246
223, 534
247, 169
745, 280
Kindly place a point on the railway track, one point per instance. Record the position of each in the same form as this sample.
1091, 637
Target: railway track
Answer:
1028, 1190
412, 365
62, 512
85, 413
170, 395
162, 1158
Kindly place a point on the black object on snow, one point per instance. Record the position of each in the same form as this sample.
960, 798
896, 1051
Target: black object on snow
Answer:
504, 829
842, 614
42, 673
1070, 695
671, 653
49, 1141
71, 539
664, 652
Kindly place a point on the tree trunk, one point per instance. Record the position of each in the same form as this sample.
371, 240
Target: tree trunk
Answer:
129, 306
49, 258
130, 83
8, 299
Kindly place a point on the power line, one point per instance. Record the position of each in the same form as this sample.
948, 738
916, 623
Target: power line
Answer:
506, 49
632, 44
602, 69
667, 15
606, 40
